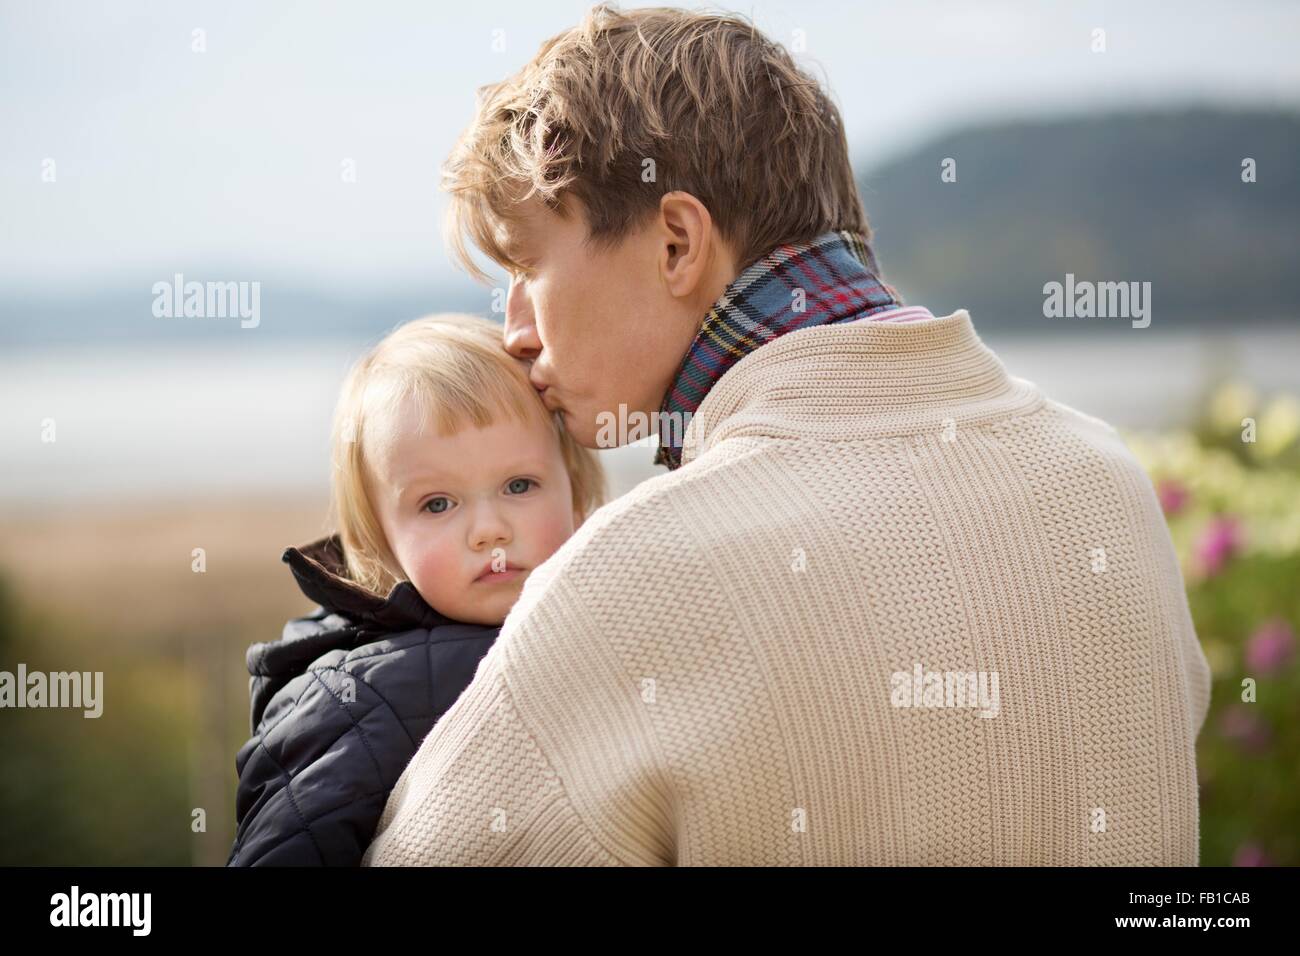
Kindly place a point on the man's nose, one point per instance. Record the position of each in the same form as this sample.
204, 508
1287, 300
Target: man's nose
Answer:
520, 335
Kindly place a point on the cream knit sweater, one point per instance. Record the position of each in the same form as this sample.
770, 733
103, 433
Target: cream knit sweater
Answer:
704, 673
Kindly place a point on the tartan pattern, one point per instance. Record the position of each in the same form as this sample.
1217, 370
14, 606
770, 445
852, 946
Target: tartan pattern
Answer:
838, 274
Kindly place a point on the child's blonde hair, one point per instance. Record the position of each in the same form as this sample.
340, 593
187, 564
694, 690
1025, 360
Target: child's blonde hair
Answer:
456, 370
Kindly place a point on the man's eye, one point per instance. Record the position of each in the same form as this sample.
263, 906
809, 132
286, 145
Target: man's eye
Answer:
515, 483
437, 505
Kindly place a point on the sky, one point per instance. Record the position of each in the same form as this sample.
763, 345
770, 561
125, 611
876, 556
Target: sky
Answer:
228, 162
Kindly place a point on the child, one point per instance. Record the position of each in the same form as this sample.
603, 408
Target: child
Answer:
451, 483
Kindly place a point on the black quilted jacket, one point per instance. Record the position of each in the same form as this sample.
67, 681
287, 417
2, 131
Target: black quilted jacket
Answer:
339, 706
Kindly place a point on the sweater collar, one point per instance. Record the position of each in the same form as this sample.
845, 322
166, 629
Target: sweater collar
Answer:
827, 280
861, 381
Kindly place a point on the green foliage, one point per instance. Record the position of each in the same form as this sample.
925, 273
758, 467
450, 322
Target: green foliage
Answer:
1230, 487
105, 791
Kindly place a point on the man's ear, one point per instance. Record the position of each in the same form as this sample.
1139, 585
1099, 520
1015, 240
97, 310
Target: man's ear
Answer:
688, 242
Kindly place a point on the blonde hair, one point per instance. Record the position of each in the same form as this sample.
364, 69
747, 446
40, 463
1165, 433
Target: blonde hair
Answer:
457, 372
721, 111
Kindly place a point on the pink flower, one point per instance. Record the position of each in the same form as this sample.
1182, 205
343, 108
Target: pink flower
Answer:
1172, 494
1246, 730
1270, 647
1251, 854
1219, 541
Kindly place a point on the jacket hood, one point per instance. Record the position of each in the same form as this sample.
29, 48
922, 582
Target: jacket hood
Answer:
347, 617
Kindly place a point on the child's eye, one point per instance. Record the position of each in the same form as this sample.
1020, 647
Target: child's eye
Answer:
527, 483
437, 505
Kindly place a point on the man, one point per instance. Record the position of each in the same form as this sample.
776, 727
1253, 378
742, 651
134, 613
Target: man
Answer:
889, 605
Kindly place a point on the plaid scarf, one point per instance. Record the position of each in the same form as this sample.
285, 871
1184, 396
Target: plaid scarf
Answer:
837, 276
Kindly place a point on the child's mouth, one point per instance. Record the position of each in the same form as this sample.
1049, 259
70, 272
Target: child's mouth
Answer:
496, 577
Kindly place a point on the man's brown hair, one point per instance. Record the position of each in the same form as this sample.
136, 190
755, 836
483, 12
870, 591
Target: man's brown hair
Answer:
628, 106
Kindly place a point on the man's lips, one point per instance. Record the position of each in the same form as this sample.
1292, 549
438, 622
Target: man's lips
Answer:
542, 388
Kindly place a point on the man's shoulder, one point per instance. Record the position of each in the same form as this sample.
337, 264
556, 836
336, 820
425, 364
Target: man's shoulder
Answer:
640, 539
1101, 439
1077, 418
634, 515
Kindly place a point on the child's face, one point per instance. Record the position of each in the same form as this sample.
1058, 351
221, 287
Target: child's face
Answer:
453, 507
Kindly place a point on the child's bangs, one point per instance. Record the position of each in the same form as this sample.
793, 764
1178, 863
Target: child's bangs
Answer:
462, 382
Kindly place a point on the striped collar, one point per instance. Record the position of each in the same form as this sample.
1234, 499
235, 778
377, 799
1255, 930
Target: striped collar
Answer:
830, 279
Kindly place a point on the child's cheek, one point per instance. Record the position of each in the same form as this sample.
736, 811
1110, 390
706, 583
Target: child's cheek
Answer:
554, 528
437, 576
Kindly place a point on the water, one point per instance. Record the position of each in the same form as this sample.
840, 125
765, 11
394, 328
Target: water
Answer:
252, 415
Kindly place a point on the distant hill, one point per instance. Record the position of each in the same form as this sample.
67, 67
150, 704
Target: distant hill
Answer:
1148, 197
1152, 197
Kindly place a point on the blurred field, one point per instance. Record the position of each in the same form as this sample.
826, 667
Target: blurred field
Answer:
127, 567
109, 587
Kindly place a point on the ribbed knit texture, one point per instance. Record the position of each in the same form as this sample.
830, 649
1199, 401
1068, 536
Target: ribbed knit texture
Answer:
702, 674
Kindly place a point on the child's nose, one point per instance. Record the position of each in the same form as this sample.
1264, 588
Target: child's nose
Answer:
489, 528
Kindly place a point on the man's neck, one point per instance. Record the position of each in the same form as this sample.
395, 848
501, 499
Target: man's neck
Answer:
828, 280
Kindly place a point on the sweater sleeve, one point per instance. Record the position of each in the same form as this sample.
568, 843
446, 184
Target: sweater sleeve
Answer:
1197, 672
544, 759
482, 793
